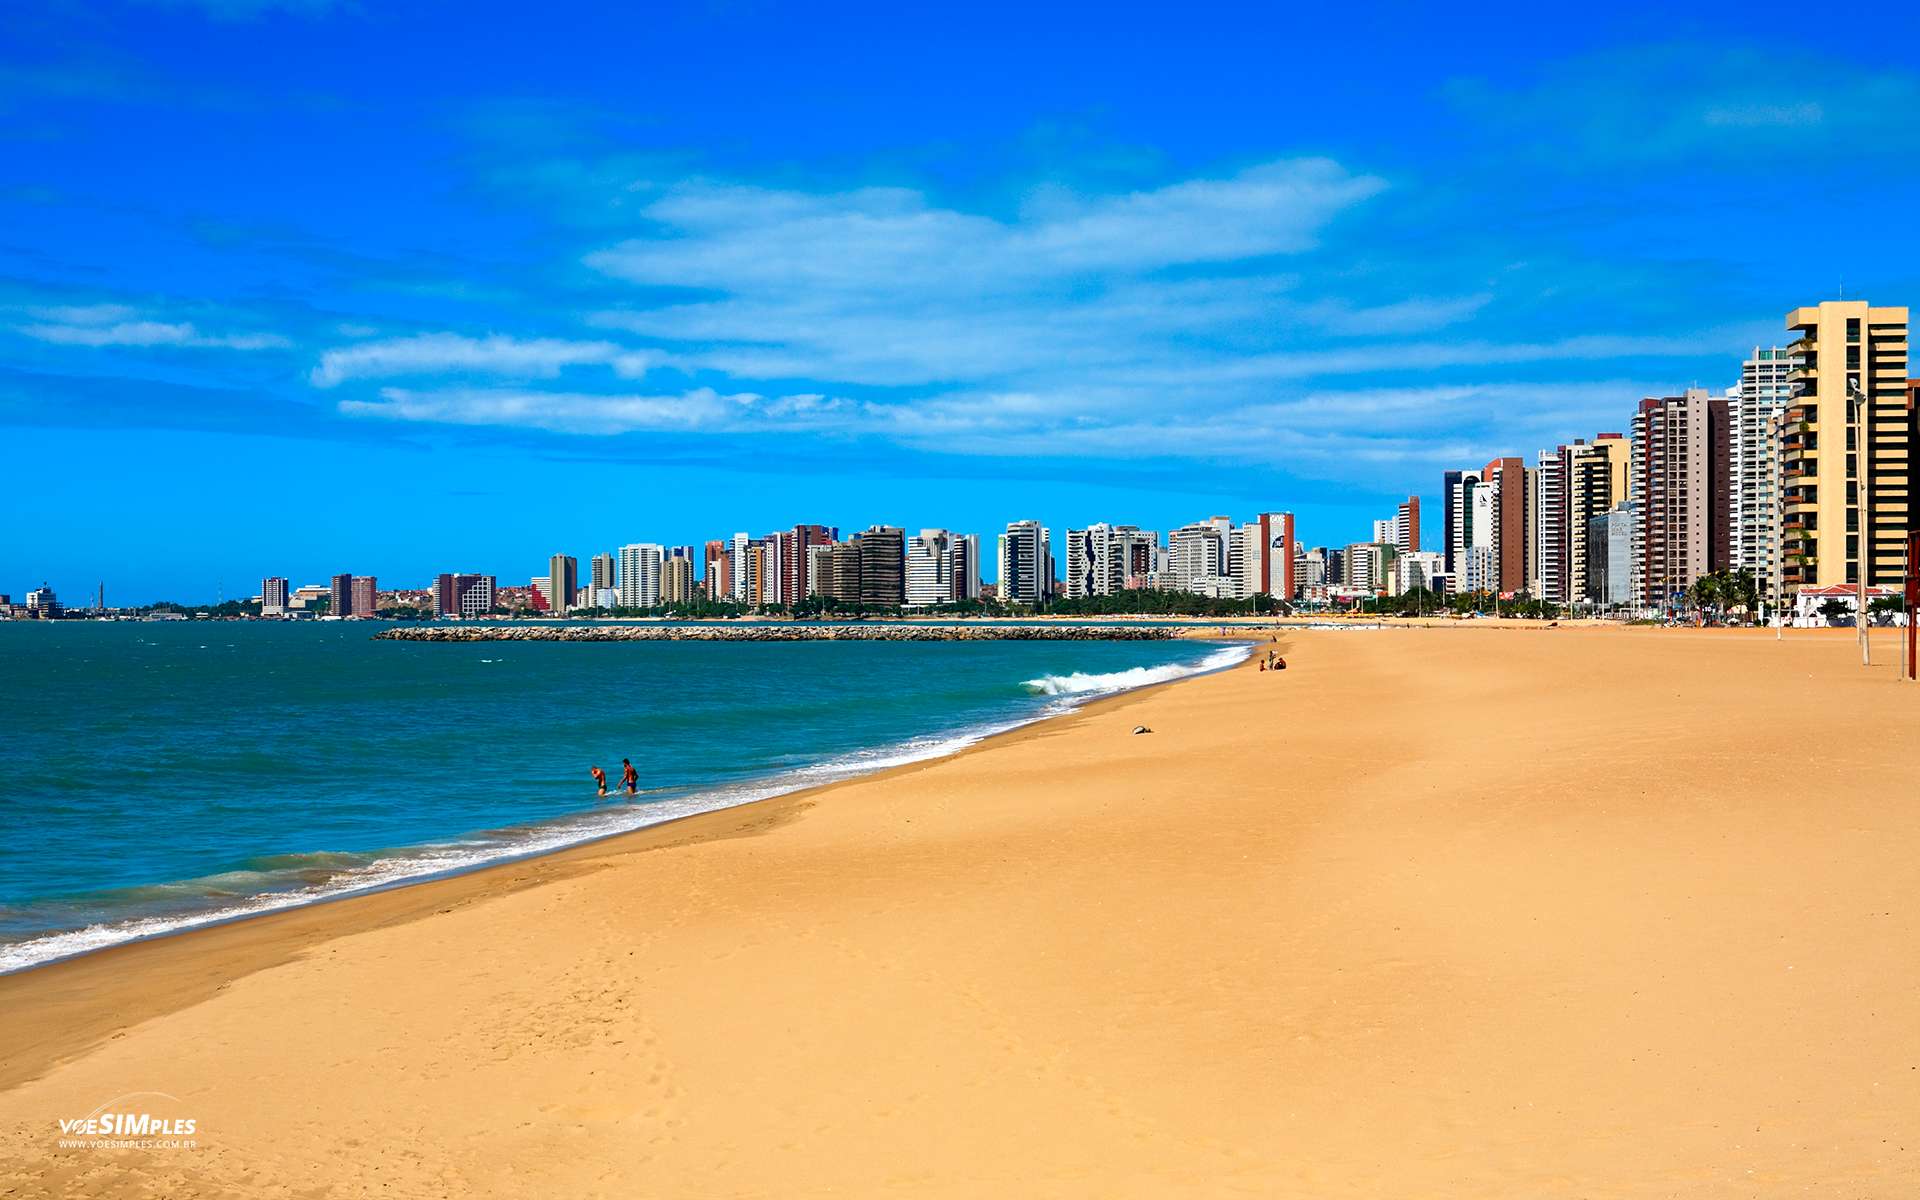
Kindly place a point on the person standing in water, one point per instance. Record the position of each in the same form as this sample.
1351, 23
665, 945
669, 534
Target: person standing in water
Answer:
600, 779
629, 777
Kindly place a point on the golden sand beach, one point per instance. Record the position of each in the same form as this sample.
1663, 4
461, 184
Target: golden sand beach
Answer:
1480, 911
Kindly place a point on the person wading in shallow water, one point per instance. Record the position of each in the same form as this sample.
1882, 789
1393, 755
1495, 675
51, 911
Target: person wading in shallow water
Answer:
629, 778
600, 778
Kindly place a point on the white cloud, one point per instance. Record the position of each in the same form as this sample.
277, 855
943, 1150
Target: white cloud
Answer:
120, 325
449, 353
701, 409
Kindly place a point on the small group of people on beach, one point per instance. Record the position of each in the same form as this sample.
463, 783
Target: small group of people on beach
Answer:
1273, 662
629, 778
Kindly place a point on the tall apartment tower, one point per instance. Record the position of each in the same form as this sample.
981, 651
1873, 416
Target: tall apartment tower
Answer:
1406, 527
939, 563
1510, 511
820, 570
1477, 536
1206, 558
366, 592
1754, 407
1547, 538
273, 597
676, 578
883, 559
1449, 519
1682, 472
966, 567
640, 565
716, 572
1087, 556
796, 581
563, 580
1598, 477
602, 574
846, 572
340, 596
1026, 563
1848, 496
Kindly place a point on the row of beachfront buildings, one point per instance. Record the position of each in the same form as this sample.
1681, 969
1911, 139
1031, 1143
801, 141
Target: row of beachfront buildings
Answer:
1802, 473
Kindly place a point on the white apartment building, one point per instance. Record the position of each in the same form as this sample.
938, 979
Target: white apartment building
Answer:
1205, 558
639, 585
1476, 535
930, 569
739, 552
1420, 569
1752, 408
1026, 563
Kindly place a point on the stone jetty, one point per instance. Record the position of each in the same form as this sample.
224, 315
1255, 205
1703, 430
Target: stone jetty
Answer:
778, 633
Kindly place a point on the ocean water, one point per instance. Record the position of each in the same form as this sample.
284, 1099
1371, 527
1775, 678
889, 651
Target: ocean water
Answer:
156, 776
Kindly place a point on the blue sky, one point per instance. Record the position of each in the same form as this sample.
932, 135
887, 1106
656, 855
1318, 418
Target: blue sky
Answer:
302, 287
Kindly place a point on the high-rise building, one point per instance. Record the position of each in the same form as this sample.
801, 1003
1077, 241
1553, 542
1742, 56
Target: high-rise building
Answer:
1406, 526
273, 597
640, 565
1449, 519
1847, 447
1754, 406
820, 570
676, 577
1369, 566
1547, 532
1026, 563
1477, 538
796, 582
602, 573
1104, 559
742, 575
937, 568
366, 597
846, 572
883, 566
717, 573
1509, 476
1274, 575
1598, 477
1205, 558
1612, 551
1423, 569
1682, 469
563, 579
340, 596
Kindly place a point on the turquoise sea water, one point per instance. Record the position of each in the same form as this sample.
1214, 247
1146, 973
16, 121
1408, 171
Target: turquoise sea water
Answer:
154, 776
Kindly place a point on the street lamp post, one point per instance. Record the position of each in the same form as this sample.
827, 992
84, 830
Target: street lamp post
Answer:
1857, 413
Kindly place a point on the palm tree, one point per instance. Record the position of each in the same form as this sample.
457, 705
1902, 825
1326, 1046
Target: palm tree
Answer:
1705, 592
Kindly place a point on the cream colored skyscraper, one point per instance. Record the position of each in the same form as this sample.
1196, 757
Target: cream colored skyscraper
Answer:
1840, 507
1598, 475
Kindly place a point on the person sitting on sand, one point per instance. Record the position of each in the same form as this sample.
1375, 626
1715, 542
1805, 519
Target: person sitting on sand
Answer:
629, 777
600, 778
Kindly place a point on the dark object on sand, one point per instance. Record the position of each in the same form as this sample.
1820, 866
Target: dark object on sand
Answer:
1139, 729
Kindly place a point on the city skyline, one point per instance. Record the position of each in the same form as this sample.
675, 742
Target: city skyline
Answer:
282, 323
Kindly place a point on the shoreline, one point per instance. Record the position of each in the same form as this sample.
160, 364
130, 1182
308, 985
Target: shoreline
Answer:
1435, 916
802, 795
